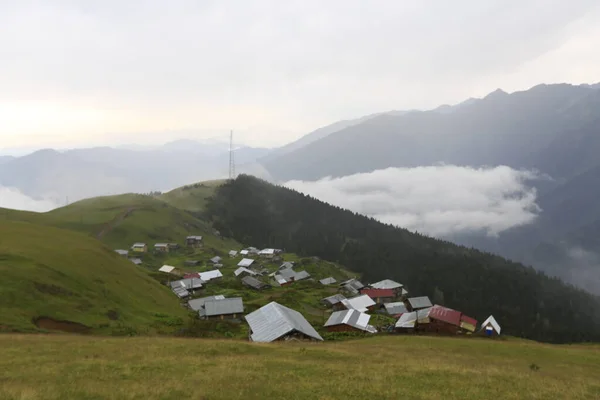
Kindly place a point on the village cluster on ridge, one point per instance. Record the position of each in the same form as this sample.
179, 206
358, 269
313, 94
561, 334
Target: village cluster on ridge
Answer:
351, 307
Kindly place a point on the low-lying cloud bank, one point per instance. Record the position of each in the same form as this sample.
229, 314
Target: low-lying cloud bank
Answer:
14, 199
437, 200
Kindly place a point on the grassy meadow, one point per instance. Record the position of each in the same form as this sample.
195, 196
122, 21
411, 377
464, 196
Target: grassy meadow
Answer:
37, 367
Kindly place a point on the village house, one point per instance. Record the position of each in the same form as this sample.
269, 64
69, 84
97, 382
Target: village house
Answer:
241, 271
194, 241
245, 262
210, 275
467, 323
227, 308
389, 284
418, 303
244, 252
139, 247
161, 248
197, 304
267, 253
328, 281
136, 261
274, 322
233, 253
254, 283
168, 269
123, 253
187, 283
352, 286
286, 265
490, 327
349, 321
396, 308
334, 301
380, 296
173, 246
438, 319
216, 260
362, 303
406, 322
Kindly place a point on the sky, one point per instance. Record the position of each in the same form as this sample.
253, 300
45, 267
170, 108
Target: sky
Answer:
440, 200
78, 72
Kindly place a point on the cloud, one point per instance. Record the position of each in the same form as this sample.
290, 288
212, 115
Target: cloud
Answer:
584, 268
437, 200
135, 66
14, 199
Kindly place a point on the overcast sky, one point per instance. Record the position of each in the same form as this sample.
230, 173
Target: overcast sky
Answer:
76, 72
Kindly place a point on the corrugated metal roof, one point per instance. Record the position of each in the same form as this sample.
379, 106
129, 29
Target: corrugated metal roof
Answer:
301, 275
136, 261
161, 245
139, 244
445, 314
336, 298
181, 292
197, 304
468, 320
280, 279
216, 259
386, 284
286, 264
353, 283
122, 252
491, 321
245, 262
328, 281
233, 253
208, 275
423, 315
287, 273
360, 303
376, 293
267, 252
233, 305
419, 302
241, 270
352, 318
253, 282
407, 320
244, 252
404, 292
166, 268
395, 308
189, 284
194, 237
273, 321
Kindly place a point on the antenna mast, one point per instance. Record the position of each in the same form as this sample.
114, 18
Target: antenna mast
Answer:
231, 157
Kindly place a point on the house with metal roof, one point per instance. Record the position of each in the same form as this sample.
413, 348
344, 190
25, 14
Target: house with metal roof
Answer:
352, 286
269, 253
439, 319
406, 322
245, 262
490, 327
181, 292
280, 280
418, 303
197, 304
328, 281
242, 271
467, 323
380, 296
168, 269
139, 247
386, 284
209, 275
287, 264
187, 283
244, 252
161, 247
361, 303
123, 253
193, 241
233, 253
227, 308
136, 261
216, 260
395, 308
254, 283
349, 321
301, 275
274, 322
334, 301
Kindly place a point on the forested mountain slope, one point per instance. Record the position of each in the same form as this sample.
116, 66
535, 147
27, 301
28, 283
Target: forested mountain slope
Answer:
531, 304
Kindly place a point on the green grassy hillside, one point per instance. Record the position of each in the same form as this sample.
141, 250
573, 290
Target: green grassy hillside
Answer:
192, 197
64, 275
400, 367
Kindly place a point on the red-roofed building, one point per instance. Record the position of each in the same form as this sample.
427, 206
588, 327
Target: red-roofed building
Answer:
380, 296
191, 275
441, 320
467, 323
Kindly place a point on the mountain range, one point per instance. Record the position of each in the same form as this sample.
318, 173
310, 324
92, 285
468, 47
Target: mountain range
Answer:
553, 130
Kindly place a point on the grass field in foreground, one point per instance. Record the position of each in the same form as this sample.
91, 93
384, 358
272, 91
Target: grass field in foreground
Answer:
399, 367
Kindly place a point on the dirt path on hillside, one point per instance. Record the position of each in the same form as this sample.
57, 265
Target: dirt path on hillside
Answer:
52, 324
112, 224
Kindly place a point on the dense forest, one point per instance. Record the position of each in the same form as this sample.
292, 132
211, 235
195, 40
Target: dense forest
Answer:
526, 302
